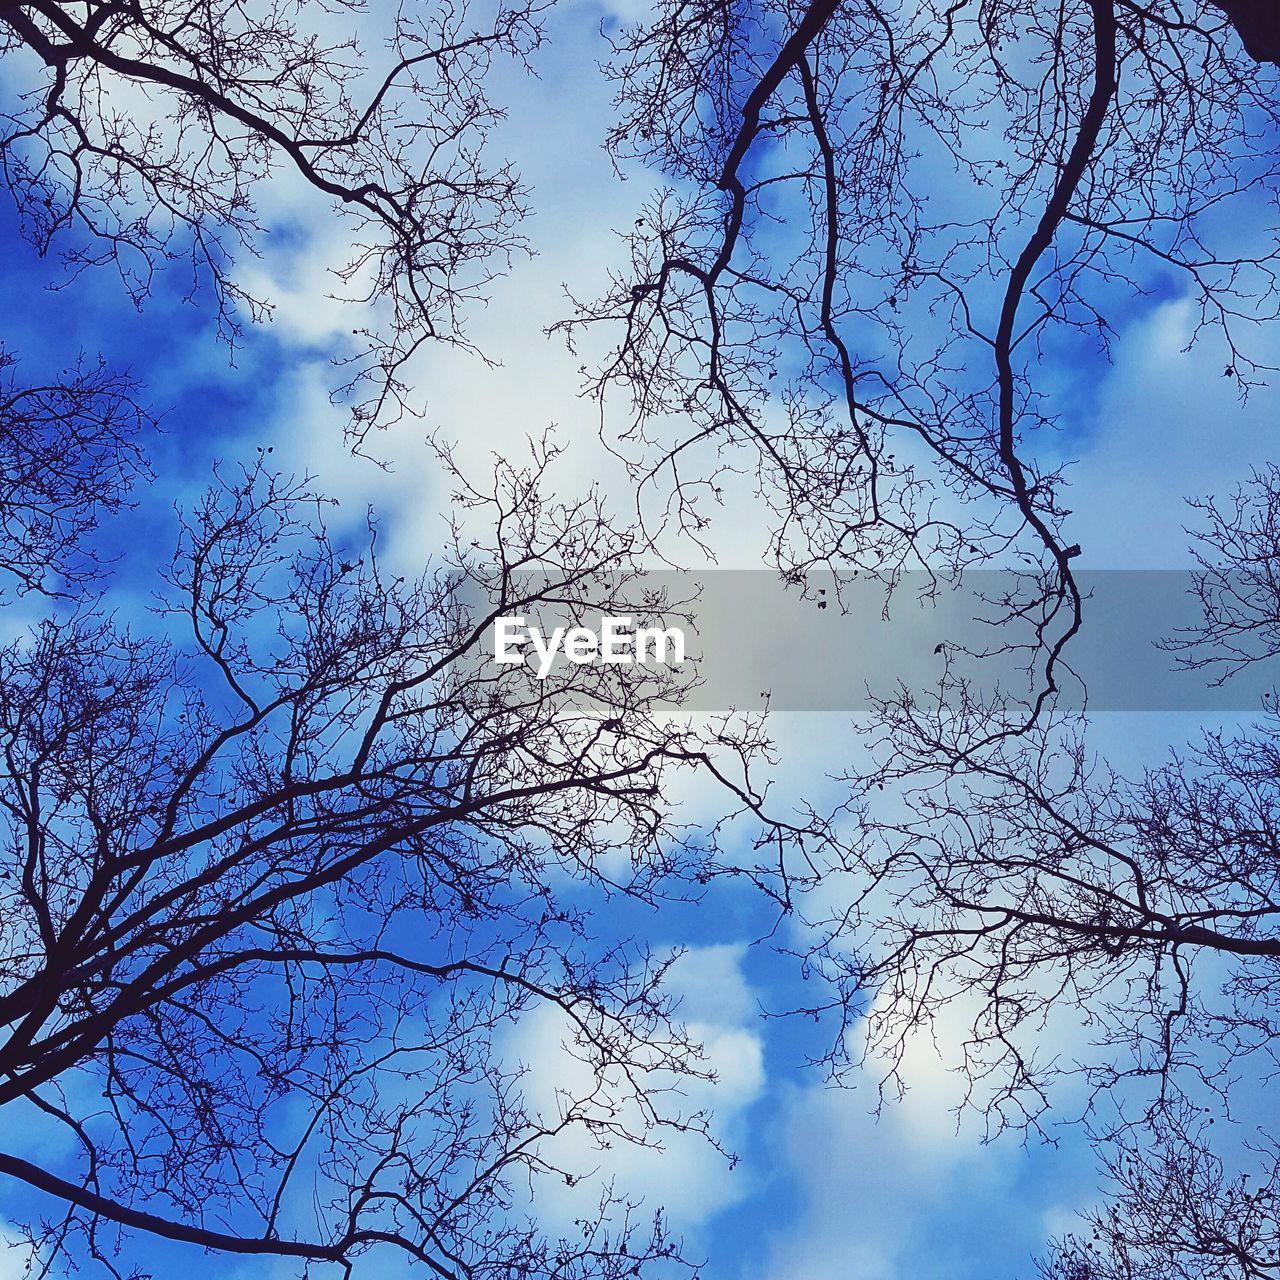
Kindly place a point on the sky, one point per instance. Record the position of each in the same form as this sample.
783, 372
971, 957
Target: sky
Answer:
824, 1188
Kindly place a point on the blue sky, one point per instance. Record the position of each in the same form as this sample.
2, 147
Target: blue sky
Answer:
824, 1189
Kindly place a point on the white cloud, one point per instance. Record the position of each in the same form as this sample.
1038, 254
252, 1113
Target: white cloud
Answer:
871, 1193
16, 1256
1169, 426
682, 1172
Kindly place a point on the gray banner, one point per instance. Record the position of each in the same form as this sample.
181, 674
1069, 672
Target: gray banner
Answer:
831, 646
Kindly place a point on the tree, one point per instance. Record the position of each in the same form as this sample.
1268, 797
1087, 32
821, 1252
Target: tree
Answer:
283, 872
898, 216
1000, 881
70, 452
272, 893
894, 215
889, 234
1257, 27
142, 131
1176, 1213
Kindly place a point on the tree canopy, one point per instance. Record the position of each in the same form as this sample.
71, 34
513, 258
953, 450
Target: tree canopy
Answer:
286, 862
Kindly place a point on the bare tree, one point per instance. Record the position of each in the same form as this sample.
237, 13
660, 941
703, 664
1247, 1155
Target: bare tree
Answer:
1019, 882
283, 875
887, 231
136, 134
70, 451
893, 216
276, 886
1175, 1212
884, 221
1256, 25
1059, 922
